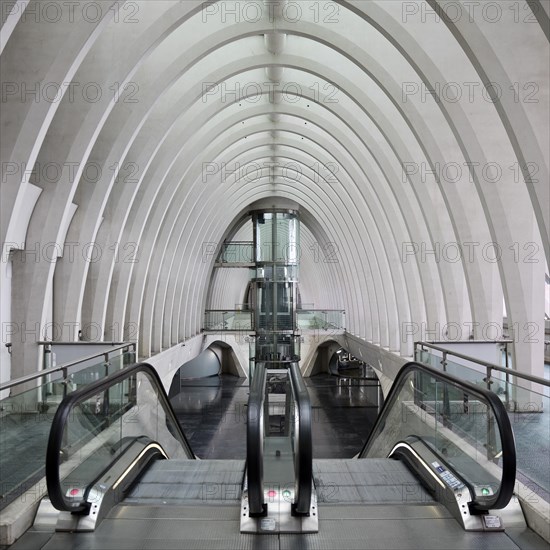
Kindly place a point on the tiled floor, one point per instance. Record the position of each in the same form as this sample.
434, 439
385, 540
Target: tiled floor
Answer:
212, 412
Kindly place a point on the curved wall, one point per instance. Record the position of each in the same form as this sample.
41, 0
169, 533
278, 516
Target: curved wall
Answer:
415, 143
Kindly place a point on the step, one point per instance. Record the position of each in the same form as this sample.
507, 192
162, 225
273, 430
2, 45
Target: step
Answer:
179, 482
367, 481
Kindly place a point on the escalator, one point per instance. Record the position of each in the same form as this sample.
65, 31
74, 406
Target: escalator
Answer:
437, 471
279, 494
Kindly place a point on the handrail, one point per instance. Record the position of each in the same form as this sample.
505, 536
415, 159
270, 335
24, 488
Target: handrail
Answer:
306, 310
63, 367
491, 399
81, 343
487, 364
255, 443
303, 460
228, 310
55, 441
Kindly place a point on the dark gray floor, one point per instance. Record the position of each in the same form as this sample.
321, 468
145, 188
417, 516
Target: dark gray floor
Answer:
212, 412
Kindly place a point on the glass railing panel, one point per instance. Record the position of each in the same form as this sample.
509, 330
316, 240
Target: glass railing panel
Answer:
25, 421
236, 320
101, 370
455, 422
308, 320
101, 426
427, 358
464, 423
528, 411
85, 376
320, 319
470, 374
335, 319
26, 418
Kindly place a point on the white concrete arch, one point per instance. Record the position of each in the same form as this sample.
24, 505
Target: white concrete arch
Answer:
393, 149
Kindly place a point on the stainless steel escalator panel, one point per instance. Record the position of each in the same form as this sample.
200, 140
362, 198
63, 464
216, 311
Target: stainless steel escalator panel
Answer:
394, 527
364, 527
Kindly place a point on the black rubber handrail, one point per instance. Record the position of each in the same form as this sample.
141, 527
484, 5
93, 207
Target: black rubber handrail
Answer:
508, 479
55, 441
303, 459
255, 443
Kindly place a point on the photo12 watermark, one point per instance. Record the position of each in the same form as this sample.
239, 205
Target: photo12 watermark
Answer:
471, 11
470, 252
289, 252
471, 172
69, 91
252, 92
254, 11
287, 171
72, 251
52, 172
52, 330
72, 11
454, 331
470, 92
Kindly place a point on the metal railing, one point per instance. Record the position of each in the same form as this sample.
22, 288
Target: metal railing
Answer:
413, 409
247, 320
298, 420
255, 444
490, 367
230, 320
526, 398
236, 253
65, 367
67, 413
321, 319
28, 408
303, 460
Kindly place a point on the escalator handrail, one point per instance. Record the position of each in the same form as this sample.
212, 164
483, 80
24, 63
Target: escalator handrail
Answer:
508, 477
55, 441
303, 461
255, 443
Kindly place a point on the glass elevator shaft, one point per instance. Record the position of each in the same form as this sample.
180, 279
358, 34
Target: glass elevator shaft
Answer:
275, 284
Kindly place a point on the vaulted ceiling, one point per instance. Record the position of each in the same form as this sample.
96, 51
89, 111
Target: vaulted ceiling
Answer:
414, 142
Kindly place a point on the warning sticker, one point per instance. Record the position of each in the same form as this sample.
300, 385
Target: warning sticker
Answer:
492, 522
268, 524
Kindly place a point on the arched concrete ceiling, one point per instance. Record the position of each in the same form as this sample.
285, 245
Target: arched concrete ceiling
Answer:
378, 118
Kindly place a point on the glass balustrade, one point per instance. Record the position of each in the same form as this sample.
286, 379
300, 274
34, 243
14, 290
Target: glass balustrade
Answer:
320, 319
464, 426
101, 427
26, 418
528, 408
234, 320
